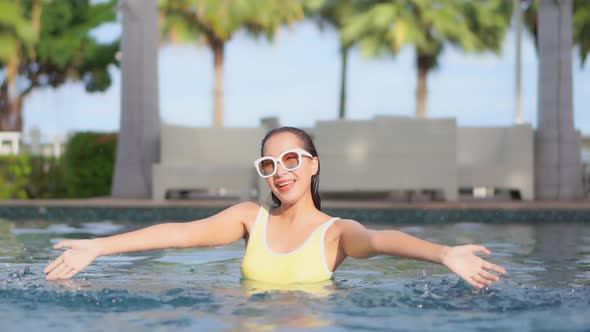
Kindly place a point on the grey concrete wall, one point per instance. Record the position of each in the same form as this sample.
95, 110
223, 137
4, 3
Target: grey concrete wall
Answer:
220, 160
500, 157
210, 146
387, 154
365, 156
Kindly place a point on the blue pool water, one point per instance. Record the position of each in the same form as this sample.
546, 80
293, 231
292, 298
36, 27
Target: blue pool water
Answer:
547, 287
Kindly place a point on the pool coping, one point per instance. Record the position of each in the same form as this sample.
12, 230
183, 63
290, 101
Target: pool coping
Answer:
149, 211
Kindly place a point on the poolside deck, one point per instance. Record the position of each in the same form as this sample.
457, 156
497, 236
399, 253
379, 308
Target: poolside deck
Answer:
146, 211
330, 204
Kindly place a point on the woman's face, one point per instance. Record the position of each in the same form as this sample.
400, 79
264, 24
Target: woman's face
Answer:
289, 186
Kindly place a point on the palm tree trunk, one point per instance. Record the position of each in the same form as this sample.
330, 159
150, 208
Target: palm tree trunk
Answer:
424, 63
11, 109
4, 105
16, 110
343, 80
218, 58
421, 91
11, 118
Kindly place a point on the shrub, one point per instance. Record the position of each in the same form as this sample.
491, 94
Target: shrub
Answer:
14, 176
47, 178
88, 164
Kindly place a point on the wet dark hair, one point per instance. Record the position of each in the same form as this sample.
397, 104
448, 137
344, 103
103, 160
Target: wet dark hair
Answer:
307, 146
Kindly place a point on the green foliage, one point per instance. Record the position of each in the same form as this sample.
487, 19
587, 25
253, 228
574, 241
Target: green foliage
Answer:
14, 176
26, 176
215, 22
63, 47
327, 11
582, 28
67, 49
85, 170
47, 178
387, 27
218, 21
14, 30
46, 43
88, 164
332, 12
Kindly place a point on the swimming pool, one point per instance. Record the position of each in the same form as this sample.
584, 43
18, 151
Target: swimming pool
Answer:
547, 286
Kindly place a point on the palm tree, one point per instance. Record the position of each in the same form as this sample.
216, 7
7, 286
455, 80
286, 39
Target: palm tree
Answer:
17, 37
388, 26
334, 13
216, 22
15, 29
46, 43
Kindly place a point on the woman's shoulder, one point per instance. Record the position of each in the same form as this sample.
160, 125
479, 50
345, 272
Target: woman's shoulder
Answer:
247, 207
244, 210
338, 228
346, 223
341, 226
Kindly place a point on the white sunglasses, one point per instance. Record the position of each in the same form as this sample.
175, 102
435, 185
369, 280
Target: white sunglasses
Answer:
290, 160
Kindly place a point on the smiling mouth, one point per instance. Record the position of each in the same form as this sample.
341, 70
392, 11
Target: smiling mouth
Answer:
285, 185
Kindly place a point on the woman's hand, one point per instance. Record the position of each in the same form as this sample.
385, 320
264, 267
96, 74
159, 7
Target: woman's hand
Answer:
476, 271
79, 255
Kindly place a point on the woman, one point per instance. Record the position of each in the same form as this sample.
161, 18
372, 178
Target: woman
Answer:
292, 242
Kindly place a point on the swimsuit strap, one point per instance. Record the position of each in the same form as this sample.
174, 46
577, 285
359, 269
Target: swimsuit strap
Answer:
326, 226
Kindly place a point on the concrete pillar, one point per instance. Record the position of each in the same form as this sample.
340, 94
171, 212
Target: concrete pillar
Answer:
558, 173
139, 133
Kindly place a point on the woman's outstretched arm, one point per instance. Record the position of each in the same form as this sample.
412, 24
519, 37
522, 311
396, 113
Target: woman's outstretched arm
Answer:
359, 242
223, 228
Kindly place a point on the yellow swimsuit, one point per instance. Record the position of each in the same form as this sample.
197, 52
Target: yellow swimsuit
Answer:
306, 264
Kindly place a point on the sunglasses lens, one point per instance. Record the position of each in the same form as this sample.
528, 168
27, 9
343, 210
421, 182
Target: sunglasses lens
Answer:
266, 167
291, 160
